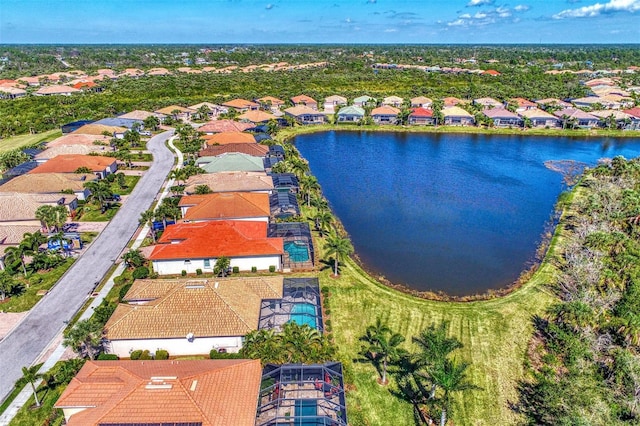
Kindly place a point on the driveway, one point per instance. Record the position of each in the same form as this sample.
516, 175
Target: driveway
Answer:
40, 326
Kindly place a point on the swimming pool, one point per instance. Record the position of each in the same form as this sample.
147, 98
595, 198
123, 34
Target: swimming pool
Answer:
306, 408
304, 313
298, 251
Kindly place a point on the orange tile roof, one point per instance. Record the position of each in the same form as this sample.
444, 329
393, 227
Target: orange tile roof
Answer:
71, 163
256, 116
226, 205
214, 392
254, 149
220, 126
225, 138
230, 238
303, 99
385, 110
171, 309
240, 104
451, 101
522, 102
274, 101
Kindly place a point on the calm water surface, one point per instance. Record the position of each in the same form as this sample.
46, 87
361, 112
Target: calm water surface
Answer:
455, 213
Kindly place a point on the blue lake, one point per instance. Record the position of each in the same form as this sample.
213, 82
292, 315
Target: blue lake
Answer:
446, 212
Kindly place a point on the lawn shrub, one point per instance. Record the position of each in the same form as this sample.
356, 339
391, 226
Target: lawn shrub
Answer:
162, 354
272, 268
183, 273
236, 269
140, 273
198, 271
214, 354
145, 355
135, 355
108, 357
254, 269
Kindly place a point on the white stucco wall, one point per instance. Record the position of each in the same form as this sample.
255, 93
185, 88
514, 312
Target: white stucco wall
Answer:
175, 347
173, 267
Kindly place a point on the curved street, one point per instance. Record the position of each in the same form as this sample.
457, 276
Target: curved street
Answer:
48, 318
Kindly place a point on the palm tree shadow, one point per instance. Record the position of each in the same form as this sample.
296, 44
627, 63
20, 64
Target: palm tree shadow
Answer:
329, 264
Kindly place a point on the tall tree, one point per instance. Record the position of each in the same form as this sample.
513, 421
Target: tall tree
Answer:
338, 247
85, 337
31, 375
450, 378
382, 345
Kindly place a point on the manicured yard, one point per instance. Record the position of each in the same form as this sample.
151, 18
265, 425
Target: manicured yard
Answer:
27, 140
37, 282
92, 213
130, 181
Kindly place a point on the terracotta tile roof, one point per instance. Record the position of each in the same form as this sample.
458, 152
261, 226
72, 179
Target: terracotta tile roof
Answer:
491, 72
303, 99
99, 129
72, 149
240, 104
71, 163
633, 111
213, 392
169, 309
231, 181
224, 138
13, 90
220, 126
522, 102
231, 238
385, 110
226, 205
246, 148
84, 84
133, 72
256, 116
42, 183
274, 101
78, 139
451, 101
158, 71
56, 90
421, 112
18, 206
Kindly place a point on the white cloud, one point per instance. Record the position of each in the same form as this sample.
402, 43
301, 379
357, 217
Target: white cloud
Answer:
269, 6
480, 15
457, 23
348, 20
599, 9
473, 3
390, 30
521, 8
465, 16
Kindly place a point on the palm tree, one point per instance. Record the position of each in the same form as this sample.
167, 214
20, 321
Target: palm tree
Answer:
382, 346
309, 185
33, 241
450, 377
46, 216
134, 258
100, 191
179, 175
339, 247
202, 190
146, 218
323, 220
85, 338
31, 375
221, 266
14, 255
7, 283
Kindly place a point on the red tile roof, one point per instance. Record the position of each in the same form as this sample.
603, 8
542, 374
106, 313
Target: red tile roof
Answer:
633, 111
71, 163
491, 72
226, 205
213, 392
230, 238
421, 112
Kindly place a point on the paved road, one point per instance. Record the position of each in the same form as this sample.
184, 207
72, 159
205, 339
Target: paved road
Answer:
23, 345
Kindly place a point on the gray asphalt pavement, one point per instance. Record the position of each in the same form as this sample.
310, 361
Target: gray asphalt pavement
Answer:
27, 341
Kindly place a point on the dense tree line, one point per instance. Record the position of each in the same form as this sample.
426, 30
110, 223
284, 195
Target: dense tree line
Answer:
585, 354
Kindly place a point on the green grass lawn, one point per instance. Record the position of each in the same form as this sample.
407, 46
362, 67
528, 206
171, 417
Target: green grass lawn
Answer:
14, 142
130, 181
37, 282
92, 213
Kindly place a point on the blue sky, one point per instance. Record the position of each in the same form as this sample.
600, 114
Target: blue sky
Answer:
320, 21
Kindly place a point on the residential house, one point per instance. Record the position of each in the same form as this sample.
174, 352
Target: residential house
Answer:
12, 236
619, 119
331, 102
421, 116
456, 116
176, 111
189, 316
385, 115
79, 139
140, 115
8, 92
503, 117
193, 246
101, 166
523, 104
241, 105
81, 149
220, 126
287, 182
163, 392
634, 115
588, 102
101, 129
487, 103
552, 103
159, 71
540, 118
304, 100
616, 101
252, 206
364, 101
450, 101
269, 103
393, 101
19, 208
305, 115
255, 149
421, 102
50, 183
231, 182
492, 73
283, 205
572, 117
127, 123
231, 162
350, 114
214, 110
29, 81
132, 72
225, 138
57, 90
256, 117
